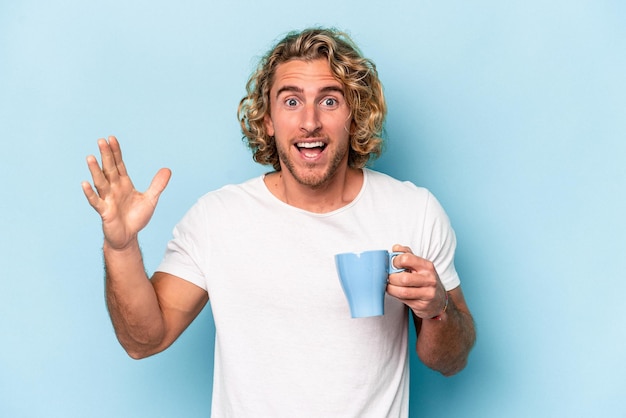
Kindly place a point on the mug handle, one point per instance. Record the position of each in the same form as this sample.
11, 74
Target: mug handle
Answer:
391, 268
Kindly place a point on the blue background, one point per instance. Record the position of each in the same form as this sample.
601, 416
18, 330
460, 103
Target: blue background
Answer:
512, 113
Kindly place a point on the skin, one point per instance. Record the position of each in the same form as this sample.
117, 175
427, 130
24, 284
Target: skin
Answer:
147, 315
444, 338
307, 107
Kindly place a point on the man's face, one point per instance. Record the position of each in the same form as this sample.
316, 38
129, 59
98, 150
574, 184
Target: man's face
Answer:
310, 119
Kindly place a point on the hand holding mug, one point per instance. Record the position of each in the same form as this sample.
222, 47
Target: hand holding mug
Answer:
419, 286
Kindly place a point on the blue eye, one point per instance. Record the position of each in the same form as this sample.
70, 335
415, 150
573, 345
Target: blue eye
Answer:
291, 102
330, 101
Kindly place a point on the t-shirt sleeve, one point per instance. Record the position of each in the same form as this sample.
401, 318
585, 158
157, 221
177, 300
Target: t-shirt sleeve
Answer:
439, 243
183, 252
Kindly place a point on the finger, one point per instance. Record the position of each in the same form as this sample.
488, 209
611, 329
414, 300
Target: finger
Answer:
158, 184
117, 156
99, 180
93, 199
413, 263
401, 248
408, 294
408, 279
419, 298
109, 168
397, 248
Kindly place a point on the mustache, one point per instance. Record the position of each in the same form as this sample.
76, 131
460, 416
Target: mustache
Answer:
316, 134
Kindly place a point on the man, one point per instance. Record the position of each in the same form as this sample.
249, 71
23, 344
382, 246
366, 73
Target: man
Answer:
263, 251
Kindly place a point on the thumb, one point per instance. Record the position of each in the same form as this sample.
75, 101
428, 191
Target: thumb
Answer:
159, 183
401, 248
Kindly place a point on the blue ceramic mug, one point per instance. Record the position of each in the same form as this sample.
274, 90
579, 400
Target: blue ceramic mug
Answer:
363, 277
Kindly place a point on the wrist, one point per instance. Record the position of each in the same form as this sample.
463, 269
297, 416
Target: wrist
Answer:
441, 313
130, 248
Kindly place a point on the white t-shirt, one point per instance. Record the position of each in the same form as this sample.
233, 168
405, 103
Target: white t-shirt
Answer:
286, 344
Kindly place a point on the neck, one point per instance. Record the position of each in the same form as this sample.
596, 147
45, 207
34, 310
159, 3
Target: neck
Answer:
341, 190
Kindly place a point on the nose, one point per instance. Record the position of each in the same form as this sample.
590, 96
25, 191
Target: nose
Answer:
310, 122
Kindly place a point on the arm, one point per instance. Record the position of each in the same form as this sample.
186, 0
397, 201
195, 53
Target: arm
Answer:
444, 344
148, 315
444, 338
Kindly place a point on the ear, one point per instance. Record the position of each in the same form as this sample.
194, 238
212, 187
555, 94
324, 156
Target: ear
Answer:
352, 128
269, 125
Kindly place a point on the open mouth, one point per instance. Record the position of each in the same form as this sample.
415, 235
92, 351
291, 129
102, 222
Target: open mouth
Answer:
311, 149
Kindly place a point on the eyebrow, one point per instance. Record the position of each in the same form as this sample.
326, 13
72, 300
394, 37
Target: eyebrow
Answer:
295, 89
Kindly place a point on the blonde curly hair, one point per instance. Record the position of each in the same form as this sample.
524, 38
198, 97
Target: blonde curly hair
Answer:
363, 92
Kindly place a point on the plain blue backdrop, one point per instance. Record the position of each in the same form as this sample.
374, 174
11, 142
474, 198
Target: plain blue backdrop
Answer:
512, 113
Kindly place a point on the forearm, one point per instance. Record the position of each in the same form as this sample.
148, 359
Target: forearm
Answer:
444, 344
132, 302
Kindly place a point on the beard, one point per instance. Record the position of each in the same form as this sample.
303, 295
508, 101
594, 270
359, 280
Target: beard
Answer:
313, 175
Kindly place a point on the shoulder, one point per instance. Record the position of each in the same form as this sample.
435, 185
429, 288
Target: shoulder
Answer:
233, 192
226, 200
404, 194
384, 183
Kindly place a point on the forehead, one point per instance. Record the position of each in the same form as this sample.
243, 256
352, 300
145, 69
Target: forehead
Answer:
303, 74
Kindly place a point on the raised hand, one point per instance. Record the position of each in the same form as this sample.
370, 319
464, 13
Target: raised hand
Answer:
124, 210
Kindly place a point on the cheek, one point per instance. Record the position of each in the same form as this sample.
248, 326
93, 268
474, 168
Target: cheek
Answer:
348, 122
349, 128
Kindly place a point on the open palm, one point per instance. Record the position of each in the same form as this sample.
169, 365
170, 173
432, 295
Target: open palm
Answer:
124, 210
